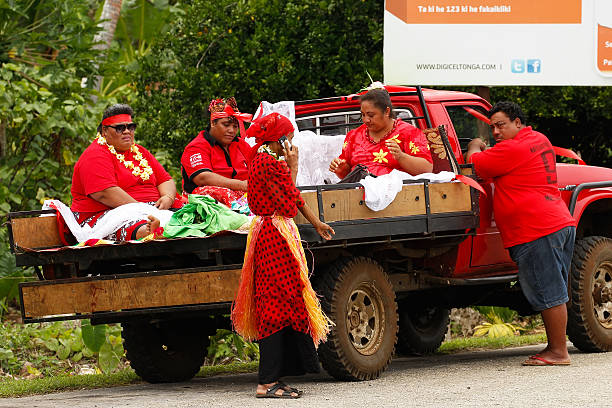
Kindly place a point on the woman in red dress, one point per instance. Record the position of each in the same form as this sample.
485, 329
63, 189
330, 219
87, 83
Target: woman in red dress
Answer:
383, 143
276, 304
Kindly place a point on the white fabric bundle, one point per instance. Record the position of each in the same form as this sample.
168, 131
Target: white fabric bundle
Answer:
109, 222
381, 191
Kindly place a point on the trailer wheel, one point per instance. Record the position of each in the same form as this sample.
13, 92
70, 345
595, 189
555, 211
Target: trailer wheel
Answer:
422, 327
589, 324
360, 300
166, 351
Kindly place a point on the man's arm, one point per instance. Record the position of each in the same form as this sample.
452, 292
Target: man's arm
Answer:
475, 146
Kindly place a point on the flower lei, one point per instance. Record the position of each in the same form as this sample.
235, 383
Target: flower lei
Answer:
142, 170
264, 148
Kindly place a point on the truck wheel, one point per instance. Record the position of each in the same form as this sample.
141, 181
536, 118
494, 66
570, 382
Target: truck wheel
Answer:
589, 324
360, 300
422, 328
165, 351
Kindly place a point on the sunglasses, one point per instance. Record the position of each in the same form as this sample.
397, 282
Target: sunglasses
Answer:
121, 128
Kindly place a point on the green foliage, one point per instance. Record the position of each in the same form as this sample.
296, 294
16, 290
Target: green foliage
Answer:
227, 347
48, 348
138, 25
255, 50
46, 116
499, 322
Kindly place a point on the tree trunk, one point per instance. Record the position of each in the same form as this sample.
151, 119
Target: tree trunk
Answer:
110, 16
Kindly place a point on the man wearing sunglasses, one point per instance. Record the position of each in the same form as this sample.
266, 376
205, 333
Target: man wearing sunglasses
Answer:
113, 171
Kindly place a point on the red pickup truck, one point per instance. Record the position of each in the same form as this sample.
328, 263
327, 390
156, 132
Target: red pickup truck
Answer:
435, 247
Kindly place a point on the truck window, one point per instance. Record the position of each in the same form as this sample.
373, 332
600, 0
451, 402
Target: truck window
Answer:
465, 120
342, 123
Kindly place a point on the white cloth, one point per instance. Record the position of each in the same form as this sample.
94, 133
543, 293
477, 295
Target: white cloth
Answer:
381, 191
316, 152
285, 108
109, 222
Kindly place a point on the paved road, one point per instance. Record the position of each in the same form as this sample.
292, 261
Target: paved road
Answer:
482, 378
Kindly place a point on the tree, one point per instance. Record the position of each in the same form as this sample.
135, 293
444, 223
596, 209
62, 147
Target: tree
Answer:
254, 50
45, 112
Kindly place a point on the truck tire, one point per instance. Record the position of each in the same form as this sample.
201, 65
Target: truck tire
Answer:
589, 324
359, 299
167, 351
422, 327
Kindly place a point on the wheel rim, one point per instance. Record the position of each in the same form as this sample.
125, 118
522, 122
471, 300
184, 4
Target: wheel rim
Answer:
365, 319
602, 294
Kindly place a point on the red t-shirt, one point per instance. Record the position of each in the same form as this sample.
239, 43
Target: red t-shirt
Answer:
527, 203
204, 154
358, 148
98, 169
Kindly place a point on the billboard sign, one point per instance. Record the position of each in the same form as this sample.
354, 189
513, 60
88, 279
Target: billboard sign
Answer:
498, 42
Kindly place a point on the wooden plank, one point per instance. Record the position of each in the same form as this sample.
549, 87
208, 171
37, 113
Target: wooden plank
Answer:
101, 295
35, 232
310, 198
449, 197
342, 205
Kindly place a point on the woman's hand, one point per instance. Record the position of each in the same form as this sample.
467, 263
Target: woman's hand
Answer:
338, 165
324, 230
395, 149
164, 202
291, 155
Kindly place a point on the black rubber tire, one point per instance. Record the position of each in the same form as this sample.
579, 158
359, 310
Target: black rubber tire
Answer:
167, 351
422, 327
356, 348
589, 324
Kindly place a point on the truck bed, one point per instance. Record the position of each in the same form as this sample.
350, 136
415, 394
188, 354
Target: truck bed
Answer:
421, 211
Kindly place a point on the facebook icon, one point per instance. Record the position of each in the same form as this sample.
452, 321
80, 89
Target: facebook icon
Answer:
518, 66
534, 66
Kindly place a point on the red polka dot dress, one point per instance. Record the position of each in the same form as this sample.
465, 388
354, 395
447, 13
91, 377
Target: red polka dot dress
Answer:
278, 287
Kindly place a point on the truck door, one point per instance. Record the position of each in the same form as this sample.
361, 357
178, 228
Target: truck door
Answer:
464, 123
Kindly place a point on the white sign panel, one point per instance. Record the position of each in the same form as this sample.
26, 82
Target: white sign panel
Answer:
498, 42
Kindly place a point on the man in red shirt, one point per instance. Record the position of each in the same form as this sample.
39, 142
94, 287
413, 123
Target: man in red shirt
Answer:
535, 224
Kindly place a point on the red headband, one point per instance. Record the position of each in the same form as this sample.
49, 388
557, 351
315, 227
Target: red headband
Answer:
111, 120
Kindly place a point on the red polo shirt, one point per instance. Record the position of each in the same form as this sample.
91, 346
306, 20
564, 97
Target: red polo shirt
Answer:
204, 153
527, 203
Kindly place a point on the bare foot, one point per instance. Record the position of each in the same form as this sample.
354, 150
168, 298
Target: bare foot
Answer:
148, 228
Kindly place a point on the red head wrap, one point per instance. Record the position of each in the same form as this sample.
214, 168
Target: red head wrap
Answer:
225, 108
268, 129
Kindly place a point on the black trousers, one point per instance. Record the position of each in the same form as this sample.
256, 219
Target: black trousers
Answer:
286, 353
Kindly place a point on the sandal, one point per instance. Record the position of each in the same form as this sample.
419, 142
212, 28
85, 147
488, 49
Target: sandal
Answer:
290, 389
271, 392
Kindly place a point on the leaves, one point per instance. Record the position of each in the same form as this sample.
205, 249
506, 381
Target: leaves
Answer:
93, 336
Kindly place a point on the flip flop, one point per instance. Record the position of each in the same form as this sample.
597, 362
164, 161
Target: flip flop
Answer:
271, 393
540, 361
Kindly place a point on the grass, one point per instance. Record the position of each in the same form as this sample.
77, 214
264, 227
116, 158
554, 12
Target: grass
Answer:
488, 343
20, 388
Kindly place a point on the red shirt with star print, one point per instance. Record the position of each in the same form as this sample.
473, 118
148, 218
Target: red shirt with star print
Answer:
359, 148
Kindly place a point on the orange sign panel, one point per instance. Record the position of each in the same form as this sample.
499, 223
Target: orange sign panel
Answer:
604, 48
486, 11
